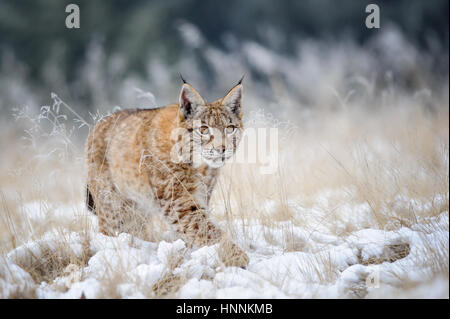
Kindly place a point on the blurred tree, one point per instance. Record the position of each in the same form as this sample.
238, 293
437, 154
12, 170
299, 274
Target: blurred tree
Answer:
34, 30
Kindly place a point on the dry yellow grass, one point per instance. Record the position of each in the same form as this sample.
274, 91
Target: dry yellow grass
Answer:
328, 161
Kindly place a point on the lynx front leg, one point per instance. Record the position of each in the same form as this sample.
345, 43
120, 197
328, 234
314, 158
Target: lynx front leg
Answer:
192, 222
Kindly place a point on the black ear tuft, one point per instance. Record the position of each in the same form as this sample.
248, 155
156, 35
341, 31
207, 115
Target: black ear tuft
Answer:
240, 81
182, 79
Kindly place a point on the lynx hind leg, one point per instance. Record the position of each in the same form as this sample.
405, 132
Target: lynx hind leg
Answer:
108, 208
115, 214
102, 198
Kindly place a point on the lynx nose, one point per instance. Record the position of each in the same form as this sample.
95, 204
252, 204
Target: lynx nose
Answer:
220, 150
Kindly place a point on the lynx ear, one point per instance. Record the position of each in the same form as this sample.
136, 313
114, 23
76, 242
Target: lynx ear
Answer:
189, 100
232, 101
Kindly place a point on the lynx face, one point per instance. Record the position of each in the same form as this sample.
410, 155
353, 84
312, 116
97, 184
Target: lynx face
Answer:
215, 128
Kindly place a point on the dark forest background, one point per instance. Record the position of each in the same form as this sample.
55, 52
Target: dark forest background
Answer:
33, 32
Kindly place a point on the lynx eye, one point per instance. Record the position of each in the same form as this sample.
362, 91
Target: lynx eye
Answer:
203, 130
230, 129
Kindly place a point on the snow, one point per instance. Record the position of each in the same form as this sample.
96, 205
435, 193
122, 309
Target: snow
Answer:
13, 278
325, 263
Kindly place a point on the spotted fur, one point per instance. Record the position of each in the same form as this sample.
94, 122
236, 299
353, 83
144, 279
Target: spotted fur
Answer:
136, 163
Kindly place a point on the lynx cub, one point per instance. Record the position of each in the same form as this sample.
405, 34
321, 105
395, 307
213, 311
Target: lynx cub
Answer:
166, 161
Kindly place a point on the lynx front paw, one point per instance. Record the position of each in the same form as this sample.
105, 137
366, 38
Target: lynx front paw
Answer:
232, 256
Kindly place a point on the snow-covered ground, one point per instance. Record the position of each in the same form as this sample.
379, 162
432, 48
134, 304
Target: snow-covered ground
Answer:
330, 257
358, 207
